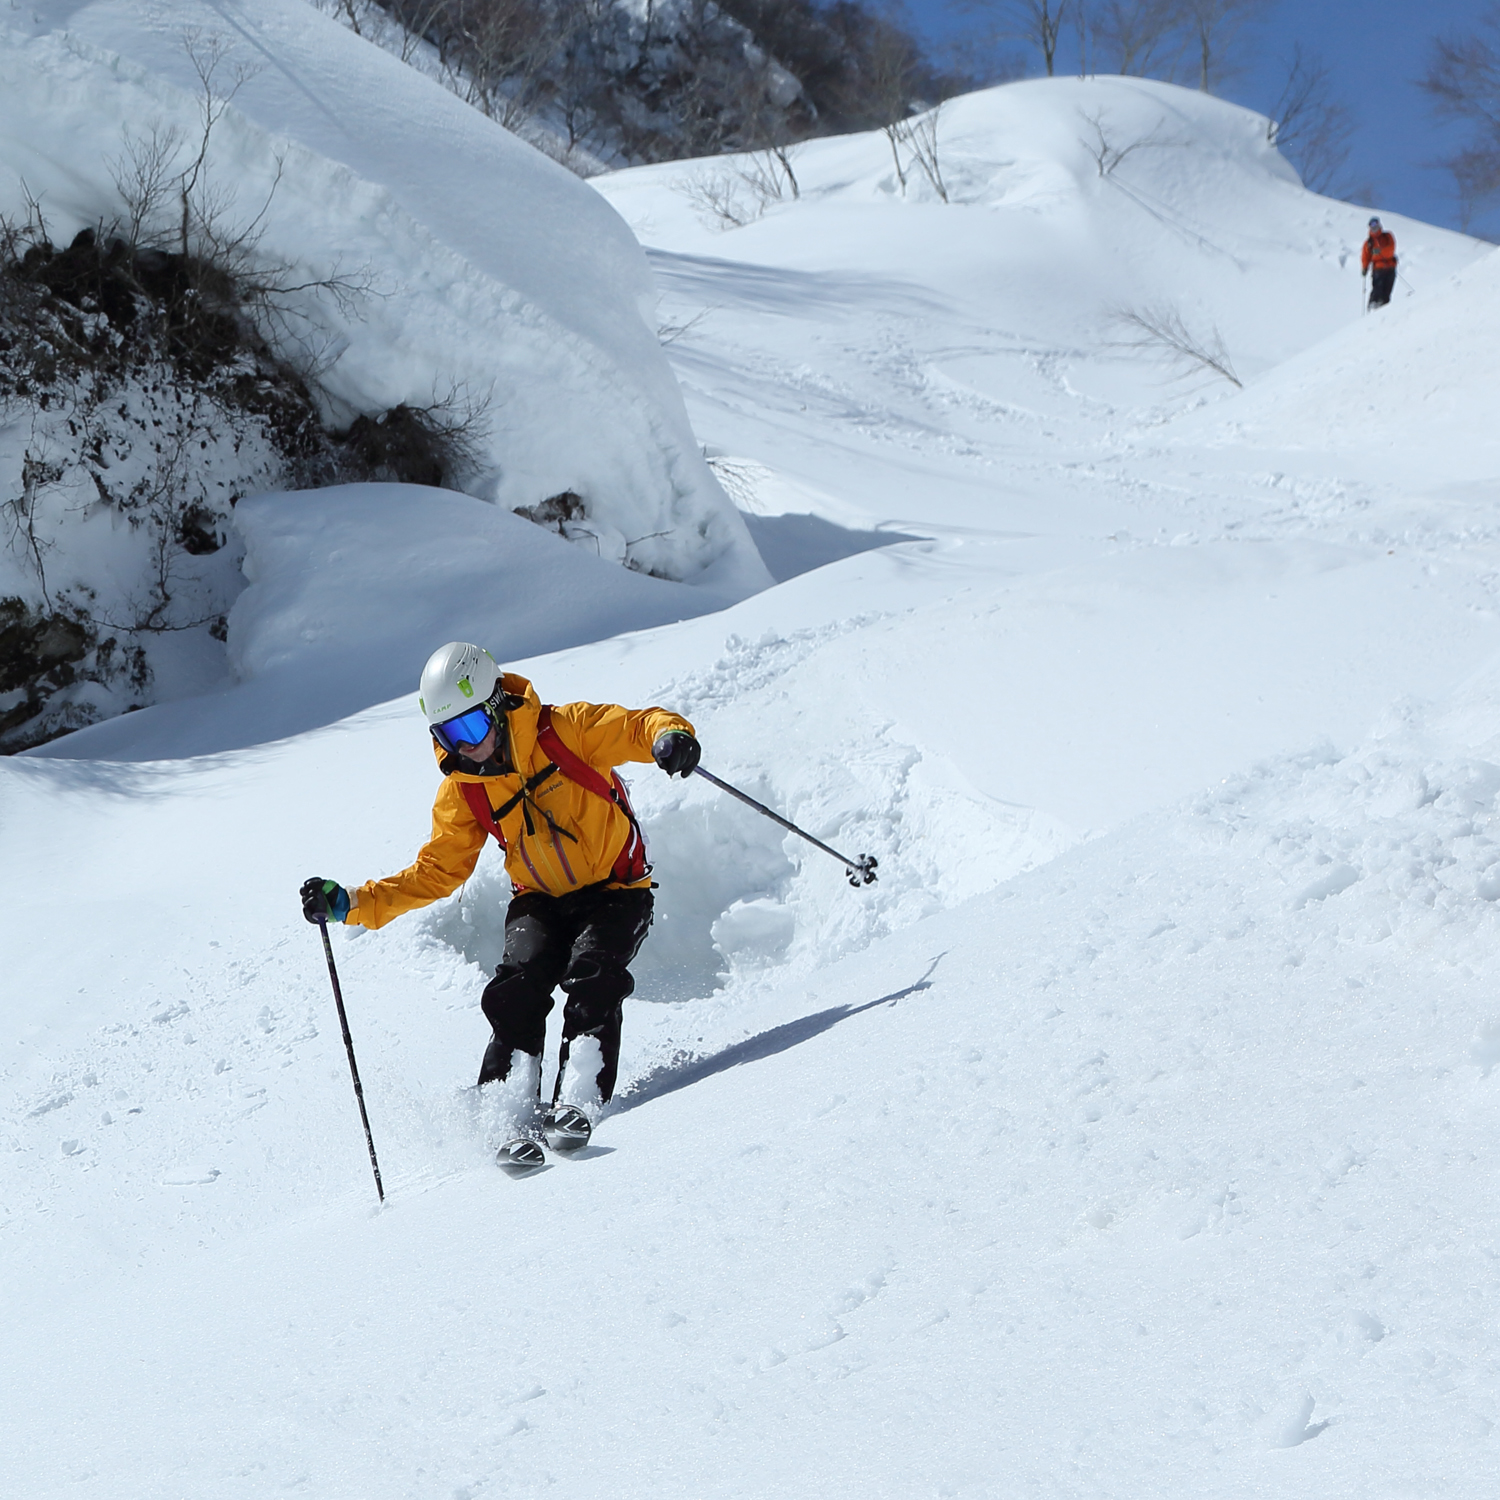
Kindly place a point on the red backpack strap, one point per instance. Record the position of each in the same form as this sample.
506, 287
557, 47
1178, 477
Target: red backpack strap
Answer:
479, 804
631, 864
572, 766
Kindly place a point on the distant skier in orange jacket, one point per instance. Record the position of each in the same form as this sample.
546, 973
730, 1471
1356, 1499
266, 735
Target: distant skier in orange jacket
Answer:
1378, 257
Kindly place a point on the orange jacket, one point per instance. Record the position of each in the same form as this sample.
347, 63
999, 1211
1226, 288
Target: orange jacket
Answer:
536, 858
1379, 251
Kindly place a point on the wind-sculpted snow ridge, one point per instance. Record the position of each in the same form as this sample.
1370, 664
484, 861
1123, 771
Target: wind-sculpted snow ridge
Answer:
480, 267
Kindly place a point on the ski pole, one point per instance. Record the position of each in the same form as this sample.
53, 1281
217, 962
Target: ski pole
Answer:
359, 1093
861, 871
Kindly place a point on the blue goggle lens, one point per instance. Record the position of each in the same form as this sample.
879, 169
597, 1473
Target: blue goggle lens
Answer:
463, 729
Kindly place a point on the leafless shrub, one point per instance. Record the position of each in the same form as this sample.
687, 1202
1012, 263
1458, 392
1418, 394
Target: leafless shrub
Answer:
719, 198
26, 536
1133, 37
769, 174
740, 192
171, 203
1108, 152
435, 444
920, 132
1161, 330
669, 333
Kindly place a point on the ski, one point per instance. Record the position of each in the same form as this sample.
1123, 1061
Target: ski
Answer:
567, 1128
520, 1156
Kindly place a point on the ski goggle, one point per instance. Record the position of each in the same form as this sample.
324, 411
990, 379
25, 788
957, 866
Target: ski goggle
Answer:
467, 728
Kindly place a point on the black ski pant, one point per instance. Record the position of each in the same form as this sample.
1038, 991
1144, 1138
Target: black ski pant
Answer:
583, 941
1382, 284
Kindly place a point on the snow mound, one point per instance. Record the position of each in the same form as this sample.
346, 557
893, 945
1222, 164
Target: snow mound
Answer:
1415, 380
490, 271
352, 587
1068, 200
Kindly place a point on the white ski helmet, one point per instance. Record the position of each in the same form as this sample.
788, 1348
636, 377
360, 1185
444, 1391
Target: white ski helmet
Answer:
457, 677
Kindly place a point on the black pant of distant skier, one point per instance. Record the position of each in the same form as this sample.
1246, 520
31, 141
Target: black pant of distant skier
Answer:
1382, 284
584, 942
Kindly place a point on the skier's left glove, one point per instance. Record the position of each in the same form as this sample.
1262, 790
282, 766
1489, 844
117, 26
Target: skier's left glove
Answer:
676, 752
324, 898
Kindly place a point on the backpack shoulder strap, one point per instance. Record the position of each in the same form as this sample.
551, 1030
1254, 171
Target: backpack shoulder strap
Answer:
631, 865
572, 766
479, 804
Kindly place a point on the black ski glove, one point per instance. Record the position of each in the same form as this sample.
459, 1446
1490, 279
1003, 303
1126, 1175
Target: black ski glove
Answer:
676, 752
324, 898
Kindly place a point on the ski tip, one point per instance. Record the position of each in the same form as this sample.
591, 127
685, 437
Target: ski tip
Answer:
520, 1156
568, 1129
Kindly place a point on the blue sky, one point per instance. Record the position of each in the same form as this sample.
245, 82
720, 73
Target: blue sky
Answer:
1374, 49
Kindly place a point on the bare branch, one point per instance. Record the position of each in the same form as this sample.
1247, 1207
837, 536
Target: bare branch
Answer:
920, 133
1310, 128
1463, 83
1108, 154
1161, 330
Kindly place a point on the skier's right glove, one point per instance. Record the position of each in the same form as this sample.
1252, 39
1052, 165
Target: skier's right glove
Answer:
325, 899
676, 752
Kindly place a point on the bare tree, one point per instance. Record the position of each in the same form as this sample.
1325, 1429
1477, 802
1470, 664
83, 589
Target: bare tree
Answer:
769, 173
1138, 37
1214, 28
1162, 331
1038, 22
1463, 83
1083, 30
1308, 126
719, 199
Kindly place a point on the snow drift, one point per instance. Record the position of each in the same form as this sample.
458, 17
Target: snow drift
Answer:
1409, 385
491, 271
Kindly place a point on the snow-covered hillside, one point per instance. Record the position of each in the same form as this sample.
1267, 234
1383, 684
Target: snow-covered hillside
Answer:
491, 268
420, 257
1129, 1137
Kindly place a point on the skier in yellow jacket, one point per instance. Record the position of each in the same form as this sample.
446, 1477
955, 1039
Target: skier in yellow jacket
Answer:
539, 780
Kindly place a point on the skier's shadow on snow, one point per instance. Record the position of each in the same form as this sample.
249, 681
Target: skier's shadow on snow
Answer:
684, 1073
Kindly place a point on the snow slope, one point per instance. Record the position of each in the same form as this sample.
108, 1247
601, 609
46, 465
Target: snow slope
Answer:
1131, 1136
1407, 390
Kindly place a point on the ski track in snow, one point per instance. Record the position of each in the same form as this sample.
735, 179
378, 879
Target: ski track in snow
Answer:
1132, 1136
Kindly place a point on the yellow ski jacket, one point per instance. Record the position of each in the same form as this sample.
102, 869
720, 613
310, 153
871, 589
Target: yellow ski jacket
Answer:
537, 857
